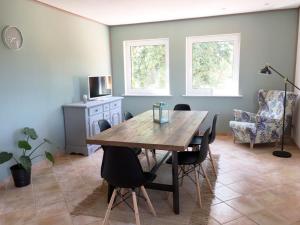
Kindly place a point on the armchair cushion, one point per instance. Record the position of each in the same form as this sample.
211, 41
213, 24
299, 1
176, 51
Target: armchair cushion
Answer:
244, 116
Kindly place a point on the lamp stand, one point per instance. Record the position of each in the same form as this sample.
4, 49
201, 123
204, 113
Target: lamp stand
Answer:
282, 153
266, 70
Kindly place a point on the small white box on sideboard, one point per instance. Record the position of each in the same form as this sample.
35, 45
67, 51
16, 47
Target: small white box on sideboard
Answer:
81, 121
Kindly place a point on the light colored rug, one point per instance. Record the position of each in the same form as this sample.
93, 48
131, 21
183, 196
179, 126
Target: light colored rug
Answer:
95, 204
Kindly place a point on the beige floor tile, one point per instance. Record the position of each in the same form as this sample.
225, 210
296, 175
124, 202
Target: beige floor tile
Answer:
296, 223
266, 198
212, 221
241, 221
19, 217
225, 193
230, 177
86, 220
224, 213
265, 217
15, 204
245, 205
60, 219
49, 198
289, 210
52, 209
245, 187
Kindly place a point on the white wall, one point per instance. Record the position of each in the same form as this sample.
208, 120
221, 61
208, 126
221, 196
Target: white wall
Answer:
296, 131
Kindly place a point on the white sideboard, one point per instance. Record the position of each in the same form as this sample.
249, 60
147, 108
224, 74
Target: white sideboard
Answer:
81, 121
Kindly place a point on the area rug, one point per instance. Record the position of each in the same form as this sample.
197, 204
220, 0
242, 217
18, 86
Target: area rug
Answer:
95, 204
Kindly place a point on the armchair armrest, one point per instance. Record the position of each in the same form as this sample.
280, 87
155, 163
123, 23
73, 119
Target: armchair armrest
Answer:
244, 116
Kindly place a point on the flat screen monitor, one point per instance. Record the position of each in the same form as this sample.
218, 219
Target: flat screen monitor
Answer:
99, 86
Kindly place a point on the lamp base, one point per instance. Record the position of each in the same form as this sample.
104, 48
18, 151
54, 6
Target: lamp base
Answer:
282, 154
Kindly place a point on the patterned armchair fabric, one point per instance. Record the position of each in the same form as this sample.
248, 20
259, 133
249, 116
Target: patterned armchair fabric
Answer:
266, 125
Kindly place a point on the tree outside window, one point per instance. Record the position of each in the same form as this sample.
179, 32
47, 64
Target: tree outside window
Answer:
146, 67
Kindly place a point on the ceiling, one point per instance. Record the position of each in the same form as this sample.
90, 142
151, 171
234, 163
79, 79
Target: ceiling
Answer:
117, 12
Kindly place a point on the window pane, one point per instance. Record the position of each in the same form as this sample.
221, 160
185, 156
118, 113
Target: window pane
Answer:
148, 67
212, 66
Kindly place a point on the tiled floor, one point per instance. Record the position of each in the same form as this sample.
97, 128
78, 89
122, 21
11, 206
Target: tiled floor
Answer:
252, 187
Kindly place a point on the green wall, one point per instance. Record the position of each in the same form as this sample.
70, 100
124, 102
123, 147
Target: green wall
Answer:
60, 50
265, 37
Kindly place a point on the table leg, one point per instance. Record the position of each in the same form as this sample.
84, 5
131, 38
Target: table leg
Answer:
175, 182
109, 192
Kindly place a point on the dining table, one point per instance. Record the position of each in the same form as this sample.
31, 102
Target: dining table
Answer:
142, 132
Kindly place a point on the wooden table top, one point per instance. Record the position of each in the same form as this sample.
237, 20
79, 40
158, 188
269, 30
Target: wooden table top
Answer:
142, 132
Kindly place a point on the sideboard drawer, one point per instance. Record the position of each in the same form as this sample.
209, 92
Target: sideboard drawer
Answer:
94, 127
95, 110
106, 107
116, 104
106, 116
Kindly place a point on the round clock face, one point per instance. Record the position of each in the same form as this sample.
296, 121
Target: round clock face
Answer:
12, 37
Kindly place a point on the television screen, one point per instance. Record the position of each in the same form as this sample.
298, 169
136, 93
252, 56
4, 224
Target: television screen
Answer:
99, 86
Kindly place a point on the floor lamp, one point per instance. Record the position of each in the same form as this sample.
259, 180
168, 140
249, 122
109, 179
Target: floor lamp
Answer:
267, 70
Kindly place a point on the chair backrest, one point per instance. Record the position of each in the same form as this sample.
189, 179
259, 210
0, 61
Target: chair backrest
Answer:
103, 125
127, 116
182, 107
124, 169
212, 135
271, 103
204, 147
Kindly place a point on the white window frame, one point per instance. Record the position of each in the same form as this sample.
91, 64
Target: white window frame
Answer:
127, 67
235, 37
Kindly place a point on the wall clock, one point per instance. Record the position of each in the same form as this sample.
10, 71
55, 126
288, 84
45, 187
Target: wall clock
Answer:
12, 37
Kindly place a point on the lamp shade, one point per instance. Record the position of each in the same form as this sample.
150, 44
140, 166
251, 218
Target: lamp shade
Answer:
266, 70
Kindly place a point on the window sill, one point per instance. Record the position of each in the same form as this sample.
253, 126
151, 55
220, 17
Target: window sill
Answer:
215, 96
145, 95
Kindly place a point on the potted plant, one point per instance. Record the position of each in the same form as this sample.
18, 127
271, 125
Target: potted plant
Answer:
21, 171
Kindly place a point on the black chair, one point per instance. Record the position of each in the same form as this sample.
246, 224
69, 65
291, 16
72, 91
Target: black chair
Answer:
182, 107
127, 116
124, 171
191, 161
196, 141
104, 125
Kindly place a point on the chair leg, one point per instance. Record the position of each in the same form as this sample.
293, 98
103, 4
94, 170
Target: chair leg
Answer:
111, 202
183, 171
147, 157
148, 200
154, 155
212, 161
198, 187
206, 178
136, 209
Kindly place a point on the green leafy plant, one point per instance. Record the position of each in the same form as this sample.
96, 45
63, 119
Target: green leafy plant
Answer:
27, 152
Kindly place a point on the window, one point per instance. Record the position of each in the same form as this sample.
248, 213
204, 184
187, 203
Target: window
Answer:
212, 65
146, 65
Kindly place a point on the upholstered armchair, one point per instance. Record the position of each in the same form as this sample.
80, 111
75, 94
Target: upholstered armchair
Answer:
266, 125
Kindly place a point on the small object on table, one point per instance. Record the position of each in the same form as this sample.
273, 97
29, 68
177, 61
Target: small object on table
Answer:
160, 112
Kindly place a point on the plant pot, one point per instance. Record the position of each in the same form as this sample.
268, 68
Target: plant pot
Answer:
21, 176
